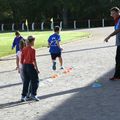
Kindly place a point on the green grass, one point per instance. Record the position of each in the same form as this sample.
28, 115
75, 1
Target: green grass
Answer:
6, 39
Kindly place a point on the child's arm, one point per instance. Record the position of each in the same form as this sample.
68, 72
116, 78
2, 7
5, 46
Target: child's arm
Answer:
13, 44
17, 61
36, 67
35, 63
58, 44
22, 57
48, 44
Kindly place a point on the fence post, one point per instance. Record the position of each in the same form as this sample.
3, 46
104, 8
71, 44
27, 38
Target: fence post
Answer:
2, 27
89, 24
42, 26
33, 26
61, 25
13, 27
23, 26
75, 24
52, 25
103, 22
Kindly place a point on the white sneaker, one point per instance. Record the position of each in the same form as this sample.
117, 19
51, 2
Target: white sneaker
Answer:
35, 98
23, 99
61, 68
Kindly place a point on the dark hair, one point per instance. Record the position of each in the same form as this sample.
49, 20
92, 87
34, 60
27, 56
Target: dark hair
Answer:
56, 28
30, 39
17, 33
116, 9
22, 44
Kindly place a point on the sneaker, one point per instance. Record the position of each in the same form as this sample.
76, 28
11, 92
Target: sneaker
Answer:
54, 66
23, 99
35, 98
61, 68
28, 97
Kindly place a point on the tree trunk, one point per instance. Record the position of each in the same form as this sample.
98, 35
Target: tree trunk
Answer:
65, 17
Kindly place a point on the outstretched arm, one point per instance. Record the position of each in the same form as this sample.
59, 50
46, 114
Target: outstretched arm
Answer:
112, 34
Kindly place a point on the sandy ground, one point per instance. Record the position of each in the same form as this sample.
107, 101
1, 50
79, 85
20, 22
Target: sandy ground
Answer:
70, 96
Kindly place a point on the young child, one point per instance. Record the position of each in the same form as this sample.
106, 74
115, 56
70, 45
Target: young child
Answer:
30, 70
22, 44
55, 49
19, 65
16, 42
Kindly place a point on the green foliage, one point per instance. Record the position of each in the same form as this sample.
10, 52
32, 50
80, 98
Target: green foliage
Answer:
43, 10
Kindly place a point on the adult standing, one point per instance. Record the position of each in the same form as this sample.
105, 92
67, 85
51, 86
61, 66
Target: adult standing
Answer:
115, 13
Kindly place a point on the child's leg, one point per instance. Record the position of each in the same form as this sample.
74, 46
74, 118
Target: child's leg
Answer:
21, 74
29, 90
61, 61
25, 86
34, 81
53, 57
26, 81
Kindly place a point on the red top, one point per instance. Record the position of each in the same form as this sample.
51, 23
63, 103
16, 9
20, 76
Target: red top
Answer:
28, 55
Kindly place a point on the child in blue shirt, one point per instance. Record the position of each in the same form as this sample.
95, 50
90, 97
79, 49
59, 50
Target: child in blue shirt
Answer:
16, 42
55, 49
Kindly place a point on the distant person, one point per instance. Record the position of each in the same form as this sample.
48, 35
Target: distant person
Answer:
30, 70
22, 44
16, 42
115, 13
55, 49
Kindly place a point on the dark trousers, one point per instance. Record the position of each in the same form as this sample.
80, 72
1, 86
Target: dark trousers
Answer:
30, 75
117, 67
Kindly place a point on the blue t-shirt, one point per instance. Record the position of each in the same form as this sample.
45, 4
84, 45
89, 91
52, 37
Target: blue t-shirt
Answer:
53, 39
16, 43
117, 27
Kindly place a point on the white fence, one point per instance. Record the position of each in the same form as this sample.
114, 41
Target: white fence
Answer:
42, 27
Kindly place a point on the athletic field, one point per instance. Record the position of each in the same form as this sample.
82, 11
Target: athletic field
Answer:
6, 39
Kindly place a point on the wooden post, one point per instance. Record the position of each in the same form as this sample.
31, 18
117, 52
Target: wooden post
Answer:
75, 24
89, 24
42, 26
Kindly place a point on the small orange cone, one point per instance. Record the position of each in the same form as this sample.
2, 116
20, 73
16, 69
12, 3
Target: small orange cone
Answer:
65, 71
70, 68
54, 76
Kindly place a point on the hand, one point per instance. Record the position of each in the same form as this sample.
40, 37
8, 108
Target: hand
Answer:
61, 49
18, 70
106, 39
38, 71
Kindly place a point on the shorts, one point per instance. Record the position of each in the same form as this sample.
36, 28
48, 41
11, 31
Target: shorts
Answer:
55, 55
